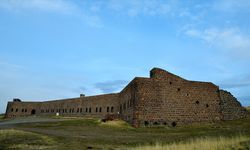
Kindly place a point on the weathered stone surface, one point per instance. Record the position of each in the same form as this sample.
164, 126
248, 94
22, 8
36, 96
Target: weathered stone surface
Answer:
230, 107
162, 99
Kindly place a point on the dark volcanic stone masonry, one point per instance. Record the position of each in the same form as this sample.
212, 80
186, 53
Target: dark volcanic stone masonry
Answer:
162, 99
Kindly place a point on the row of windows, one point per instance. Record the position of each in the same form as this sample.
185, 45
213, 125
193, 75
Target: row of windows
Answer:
156, 123
126, 105
78, 110
16, 110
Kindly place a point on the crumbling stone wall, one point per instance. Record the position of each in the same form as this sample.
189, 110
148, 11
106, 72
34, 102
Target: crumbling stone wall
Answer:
162, 99
230, 107
166, 99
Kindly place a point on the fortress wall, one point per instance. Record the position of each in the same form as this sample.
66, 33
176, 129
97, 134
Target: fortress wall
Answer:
109, 104
162, 99
160, 74
127, 102
18, 109
92, 106
170, 102
230, 107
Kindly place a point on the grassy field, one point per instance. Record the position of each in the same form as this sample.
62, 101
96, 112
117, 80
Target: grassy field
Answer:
16, 139
206, 143
1, 116
80, 133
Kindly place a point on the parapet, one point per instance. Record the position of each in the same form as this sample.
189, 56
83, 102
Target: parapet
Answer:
82, 95
161, 74
16, 100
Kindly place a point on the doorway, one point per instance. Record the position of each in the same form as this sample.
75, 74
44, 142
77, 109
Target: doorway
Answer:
33, 112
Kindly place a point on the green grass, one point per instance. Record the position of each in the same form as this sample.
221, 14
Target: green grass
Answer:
79, 133
1, 116
248, 108
16, 139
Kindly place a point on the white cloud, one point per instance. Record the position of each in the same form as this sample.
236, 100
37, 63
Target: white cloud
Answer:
230, 40
111, 86
142, 7
52, 6
236, 82
231, 5
42, 5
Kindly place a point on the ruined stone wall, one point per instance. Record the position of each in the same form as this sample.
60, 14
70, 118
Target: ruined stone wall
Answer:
92, 106
173, 101
162, 99
230, 107
126, 102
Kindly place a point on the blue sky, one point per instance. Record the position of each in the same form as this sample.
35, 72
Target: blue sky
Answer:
52, 49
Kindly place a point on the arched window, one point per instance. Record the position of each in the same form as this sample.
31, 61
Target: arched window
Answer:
112, 109
120, 108
173, 124
100, 109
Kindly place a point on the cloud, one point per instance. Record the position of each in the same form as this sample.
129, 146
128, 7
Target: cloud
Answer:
64, 7
42, 5
10, 66
231, 5
236, 82
245, 100
142, 7
79, 90
230, 40
110, 86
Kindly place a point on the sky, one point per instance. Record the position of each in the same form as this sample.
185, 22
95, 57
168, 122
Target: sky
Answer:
53, 49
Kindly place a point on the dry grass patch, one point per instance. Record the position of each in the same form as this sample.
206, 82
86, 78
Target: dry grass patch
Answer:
248, 108
205, 143
116, 124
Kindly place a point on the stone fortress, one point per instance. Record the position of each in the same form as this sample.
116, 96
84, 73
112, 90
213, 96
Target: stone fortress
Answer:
162, 99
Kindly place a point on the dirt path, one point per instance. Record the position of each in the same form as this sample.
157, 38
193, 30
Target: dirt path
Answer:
33, 119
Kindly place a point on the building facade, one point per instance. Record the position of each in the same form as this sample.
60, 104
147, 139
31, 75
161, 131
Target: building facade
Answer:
161, 99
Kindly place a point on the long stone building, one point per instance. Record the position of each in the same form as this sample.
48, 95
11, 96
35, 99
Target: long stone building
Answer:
161, 99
